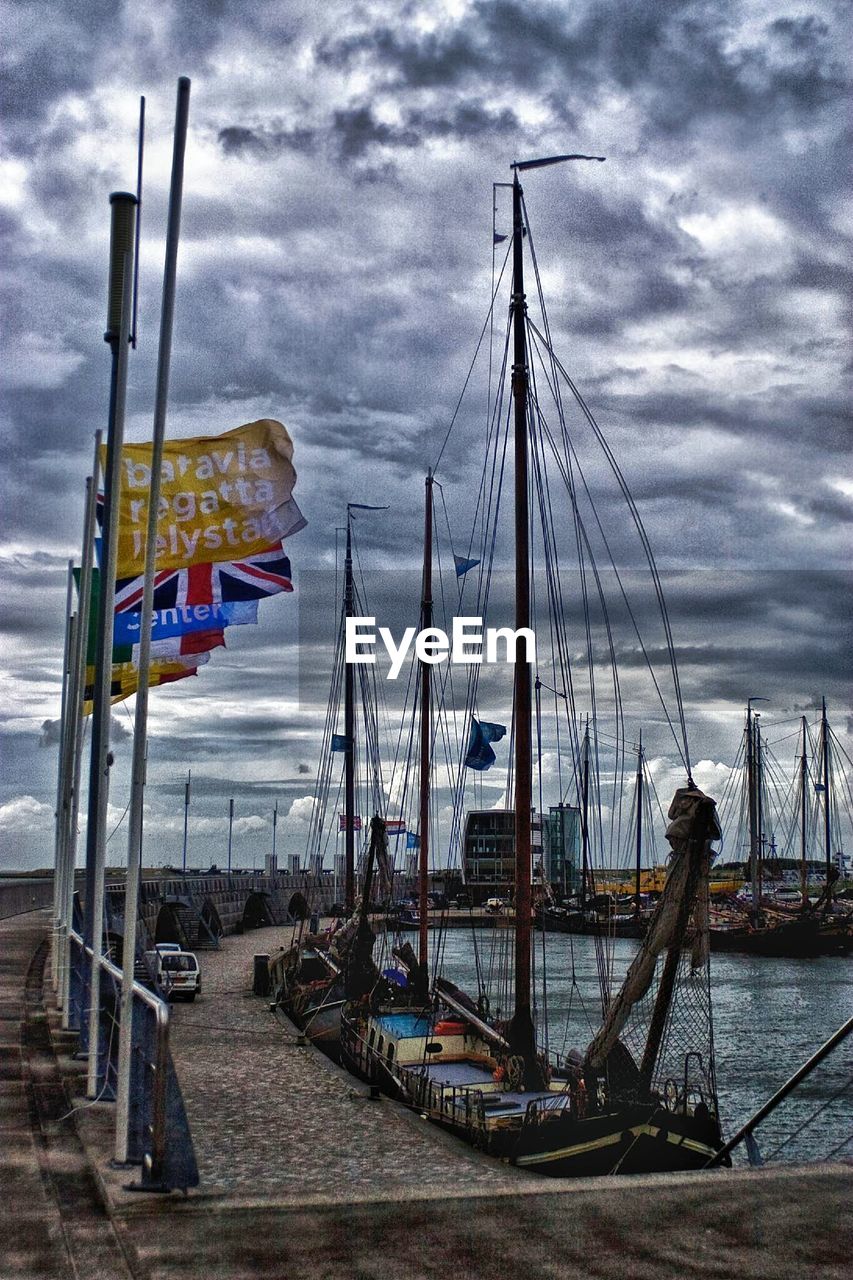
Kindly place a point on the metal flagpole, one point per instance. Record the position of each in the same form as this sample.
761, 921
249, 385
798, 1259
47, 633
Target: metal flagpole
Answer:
59, 841
84, 604
118, 335
134, 847
187, 788
67, 748
230, 830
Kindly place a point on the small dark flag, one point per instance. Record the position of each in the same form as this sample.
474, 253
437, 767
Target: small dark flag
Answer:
463, 565
480, 755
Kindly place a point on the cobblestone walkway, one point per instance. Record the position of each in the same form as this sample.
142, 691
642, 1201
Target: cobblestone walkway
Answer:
270, 1118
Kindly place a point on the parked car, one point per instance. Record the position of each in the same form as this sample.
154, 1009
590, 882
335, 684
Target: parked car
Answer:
494, 905
176, 973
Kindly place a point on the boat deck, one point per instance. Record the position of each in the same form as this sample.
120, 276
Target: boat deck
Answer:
498, 1102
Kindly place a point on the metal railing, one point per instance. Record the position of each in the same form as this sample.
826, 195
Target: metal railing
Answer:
155, 1069
460, 1105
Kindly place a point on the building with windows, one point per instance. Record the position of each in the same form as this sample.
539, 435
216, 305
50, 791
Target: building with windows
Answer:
562, 832
488, 853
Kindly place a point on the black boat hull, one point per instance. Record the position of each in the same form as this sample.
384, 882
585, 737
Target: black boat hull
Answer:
639, 1139
796, 939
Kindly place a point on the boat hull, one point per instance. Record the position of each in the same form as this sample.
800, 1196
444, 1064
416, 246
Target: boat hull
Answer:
635, 1140
795, 939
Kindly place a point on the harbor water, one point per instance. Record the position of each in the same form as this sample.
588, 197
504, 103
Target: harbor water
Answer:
770, 1015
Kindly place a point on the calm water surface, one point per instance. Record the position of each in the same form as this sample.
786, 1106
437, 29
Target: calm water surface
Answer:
769, 1016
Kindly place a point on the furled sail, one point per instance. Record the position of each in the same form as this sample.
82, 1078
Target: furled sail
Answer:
692, 829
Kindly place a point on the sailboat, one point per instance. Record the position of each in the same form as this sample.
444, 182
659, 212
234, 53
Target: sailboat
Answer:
642, 1096
764, 927
309, 977
598, 914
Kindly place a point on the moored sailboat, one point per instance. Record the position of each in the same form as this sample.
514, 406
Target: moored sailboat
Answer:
621, 1105
763, 926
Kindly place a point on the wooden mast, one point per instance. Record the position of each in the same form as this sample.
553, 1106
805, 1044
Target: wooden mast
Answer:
804, 783
827, 831
753, 816
522, 1033
426, 734
759, 807
585, 823
349, 732
639, 827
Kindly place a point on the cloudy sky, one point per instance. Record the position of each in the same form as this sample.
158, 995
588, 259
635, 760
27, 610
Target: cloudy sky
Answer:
334, 274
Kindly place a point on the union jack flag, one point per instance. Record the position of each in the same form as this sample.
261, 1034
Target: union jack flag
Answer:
252, 579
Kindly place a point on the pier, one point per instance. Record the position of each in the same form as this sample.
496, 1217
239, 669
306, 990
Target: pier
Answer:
302, 1174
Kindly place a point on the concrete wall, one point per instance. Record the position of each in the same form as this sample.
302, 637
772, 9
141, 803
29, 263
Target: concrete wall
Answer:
18, 896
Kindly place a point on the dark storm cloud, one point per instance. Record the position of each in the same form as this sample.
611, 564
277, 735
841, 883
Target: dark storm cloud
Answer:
334, 272
352, 131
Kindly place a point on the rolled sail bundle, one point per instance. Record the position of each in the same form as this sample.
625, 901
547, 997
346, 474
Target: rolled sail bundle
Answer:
682, 910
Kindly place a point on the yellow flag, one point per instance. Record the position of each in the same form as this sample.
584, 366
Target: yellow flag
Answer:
222, 498
125, 678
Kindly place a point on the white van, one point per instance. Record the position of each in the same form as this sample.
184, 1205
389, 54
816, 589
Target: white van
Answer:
177, 974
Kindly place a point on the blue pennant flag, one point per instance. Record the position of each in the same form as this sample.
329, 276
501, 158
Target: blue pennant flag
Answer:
340, 742
480, 755
463, 565
184, 619
413, 841
499, 239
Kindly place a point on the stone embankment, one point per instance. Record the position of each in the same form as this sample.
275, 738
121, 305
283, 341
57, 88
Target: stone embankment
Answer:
302, 1175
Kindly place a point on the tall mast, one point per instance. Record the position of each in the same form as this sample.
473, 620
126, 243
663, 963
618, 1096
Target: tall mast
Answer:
426, 672
759, 806
751, 803
522, 1028
639, 827
827, 832
349, 733
804, 786
585, 821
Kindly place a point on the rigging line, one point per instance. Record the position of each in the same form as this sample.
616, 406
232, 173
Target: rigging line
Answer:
640, 527
810, 1120
835, 1150
554, 585
566, 474
486, 323
484, 589
540, 421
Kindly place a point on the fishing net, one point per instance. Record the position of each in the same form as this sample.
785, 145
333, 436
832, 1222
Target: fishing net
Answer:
657, 1036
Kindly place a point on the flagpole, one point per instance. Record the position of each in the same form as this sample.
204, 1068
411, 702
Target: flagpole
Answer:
84, 608
134, 850
120, 300
61, 773
230, 830
186, 819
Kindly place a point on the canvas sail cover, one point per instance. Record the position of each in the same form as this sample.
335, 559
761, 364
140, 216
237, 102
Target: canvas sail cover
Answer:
682, 909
